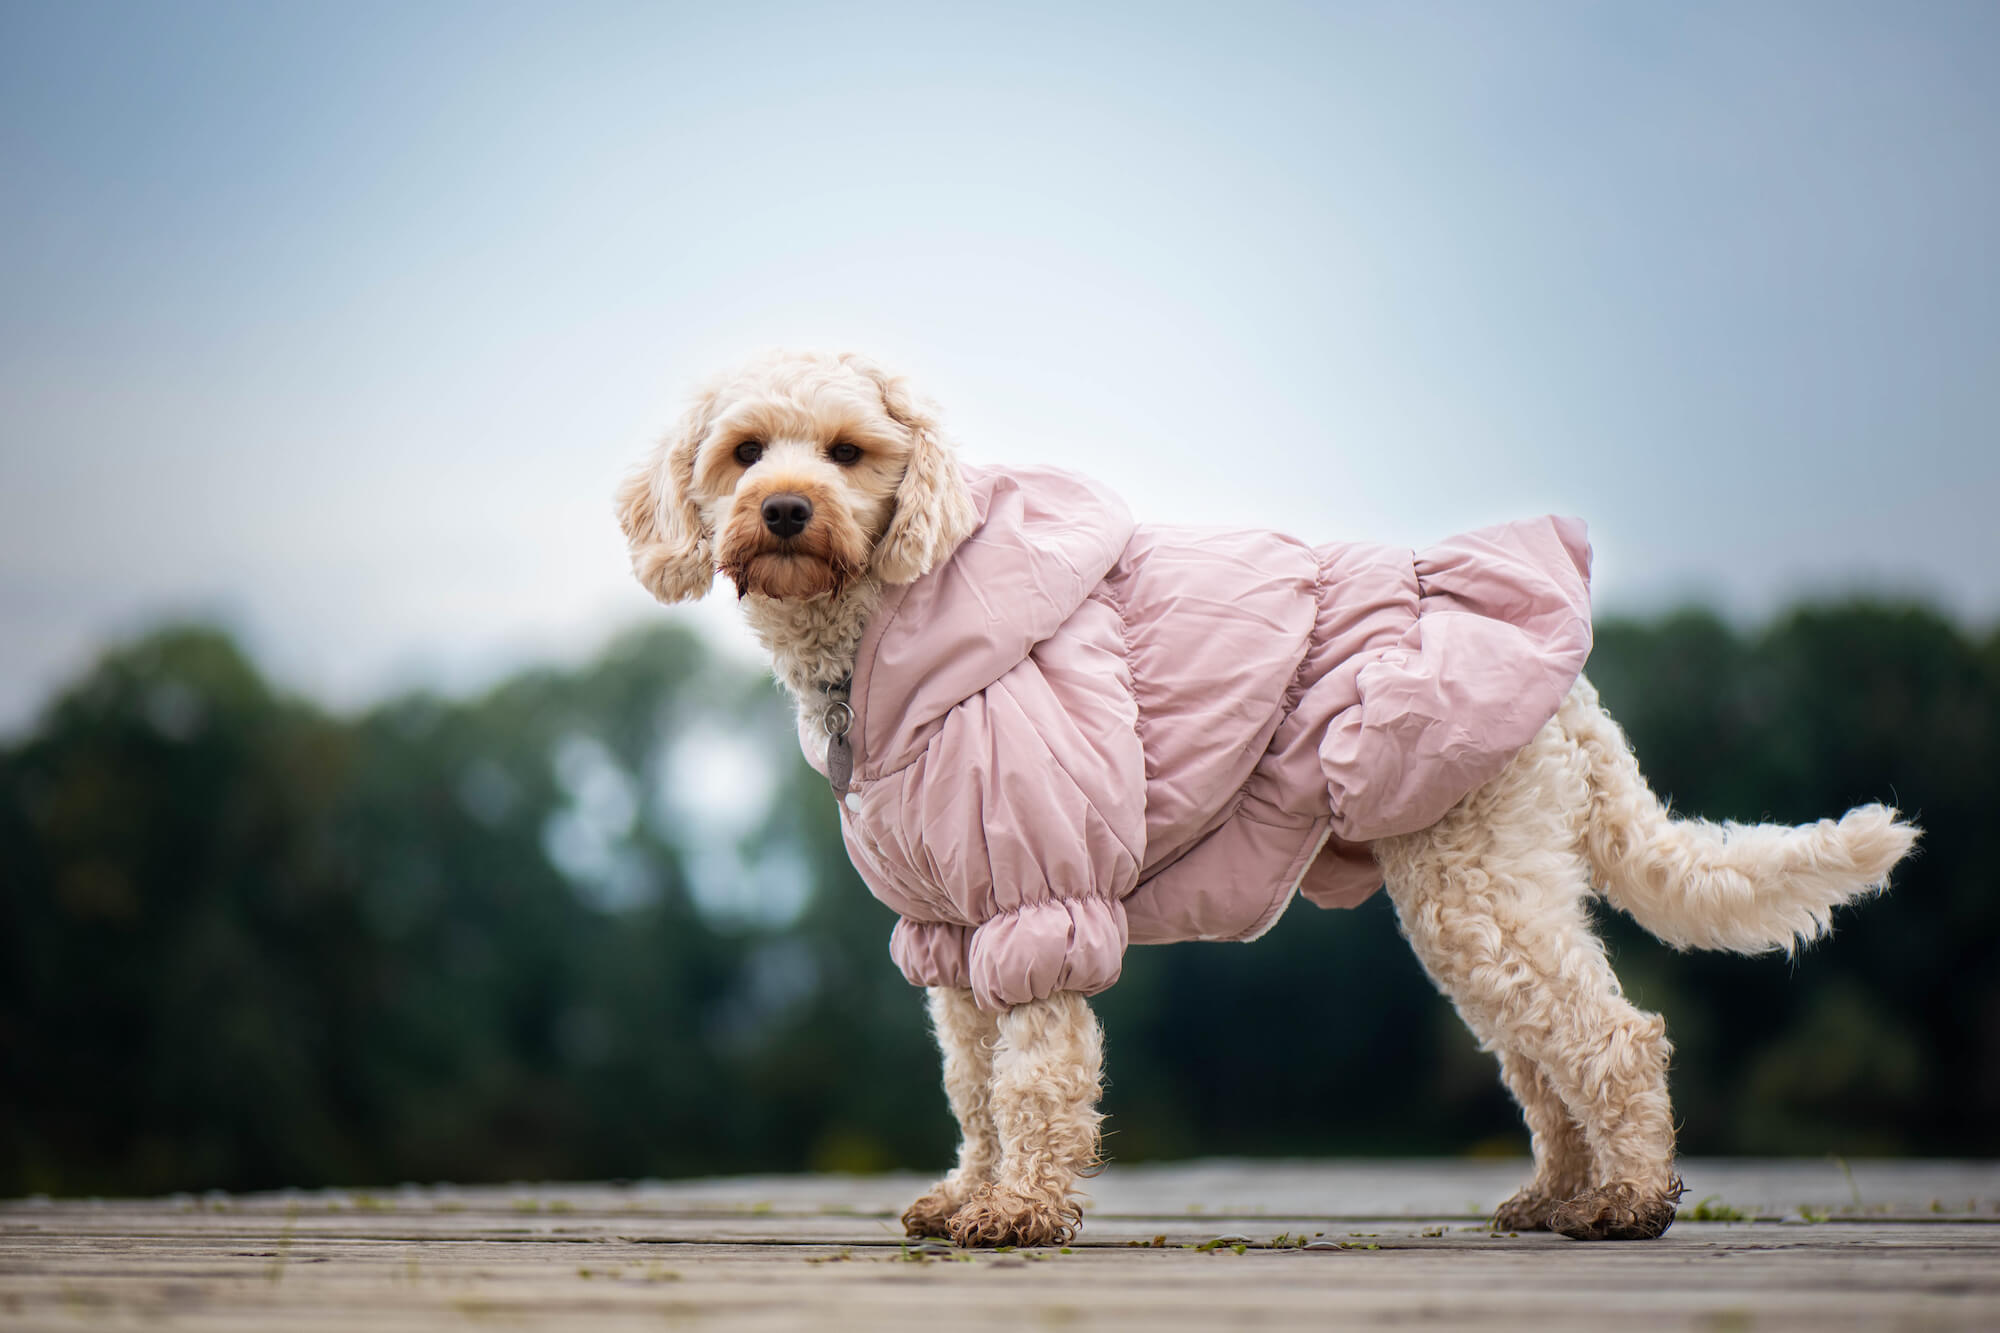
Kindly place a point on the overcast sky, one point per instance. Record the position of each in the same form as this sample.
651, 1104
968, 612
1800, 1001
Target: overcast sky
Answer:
340, 322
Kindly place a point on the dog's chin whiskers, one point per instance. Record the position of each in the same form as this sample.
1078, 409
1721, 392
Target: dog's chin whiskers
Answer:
844, 574
788, 575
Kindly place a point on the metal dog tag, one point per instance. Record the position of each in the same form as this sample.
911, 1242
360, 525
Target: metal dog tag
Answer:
839, 764
839, 754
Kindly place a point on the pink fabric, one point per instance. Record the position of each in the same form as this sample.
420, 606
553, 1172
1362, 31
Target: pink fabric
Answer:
1077, 733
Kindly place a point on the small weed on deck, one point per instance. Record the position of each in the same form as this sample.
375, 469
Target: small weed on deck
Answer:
1713, 1209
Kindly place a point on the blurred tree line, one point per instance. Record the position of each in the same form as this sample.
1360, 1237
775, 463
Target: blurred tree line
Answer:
598, 923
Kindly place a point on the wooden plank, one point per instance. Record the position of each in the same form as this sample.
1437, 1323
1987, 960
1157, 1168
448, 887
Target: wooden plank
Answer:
821, 1252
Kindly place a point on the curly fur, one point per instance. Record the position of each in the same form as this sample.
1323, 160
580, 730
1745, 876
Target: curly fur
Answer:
688, 512
1493, 898
1047, 1075
968, 1036
673, 552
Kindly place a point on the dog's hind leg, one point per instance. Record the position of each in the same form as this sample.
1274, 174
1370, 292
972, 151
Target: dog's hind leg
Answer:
1547, 994
966, 1037
1562, 1156
1047, 1074
1492, 899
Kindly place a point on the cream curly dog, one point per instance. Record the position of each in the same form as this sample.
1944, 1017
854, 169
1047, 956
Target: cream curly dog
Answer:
1054, 732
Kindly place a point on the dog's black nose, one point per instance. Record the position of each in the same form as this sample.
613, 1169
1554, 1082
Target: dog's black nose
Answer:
786, 515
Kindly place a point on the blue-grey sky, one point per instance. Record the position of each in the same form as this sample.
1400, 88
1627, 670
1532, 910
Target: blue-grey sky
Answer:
340, 321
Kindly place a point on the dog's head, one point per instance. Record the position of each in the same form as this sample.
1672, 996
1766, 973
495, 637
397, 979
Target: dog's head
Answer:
794, 476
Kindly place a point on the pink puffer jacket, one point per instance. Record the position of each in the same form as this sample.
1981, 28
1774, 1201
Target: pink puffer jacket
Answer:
1078, 733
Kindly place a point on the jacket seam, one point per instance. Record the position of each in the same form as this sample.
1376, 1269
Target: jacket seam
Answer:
1296, 690
1139, 724
875, 647
1108, 904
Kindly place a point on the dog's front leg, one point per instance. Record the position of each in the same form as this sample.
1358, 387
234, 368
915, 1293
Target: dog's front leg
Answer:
966, 1037
1047, 1074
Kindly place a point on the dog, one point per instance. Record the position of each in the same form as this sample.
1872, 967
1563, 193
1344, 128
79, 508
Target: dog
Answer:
1053, 732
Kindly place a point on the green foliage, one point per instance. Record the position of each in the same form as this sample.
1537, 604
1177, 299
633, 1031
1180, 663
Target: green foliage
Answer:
250, 944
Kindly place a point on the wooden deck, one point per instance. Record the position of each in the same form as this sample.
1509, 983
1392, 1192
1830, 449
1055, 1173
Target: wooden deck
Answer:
1202, 1246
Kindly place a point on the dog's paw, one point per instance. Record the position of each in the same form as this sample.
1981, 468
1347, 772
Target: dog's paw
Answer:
1619, 1211
997, 1216
1527, 1211
931, 1215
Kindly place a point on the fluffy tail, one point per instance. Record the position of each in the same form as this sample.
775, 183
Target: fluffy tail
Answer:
1748, 888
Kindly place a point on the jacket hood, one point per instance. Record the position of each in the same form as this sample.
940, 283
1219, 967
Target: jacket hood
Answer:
1044, 542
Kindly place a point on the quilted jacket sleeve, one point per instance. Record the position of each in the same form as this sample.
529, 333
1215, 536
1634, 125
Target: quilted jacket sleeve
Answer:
1025, 817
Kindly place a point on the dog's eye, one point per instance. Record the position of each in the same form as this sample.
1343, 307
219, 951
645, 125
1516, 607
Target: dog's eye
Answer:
749, 452
844, 453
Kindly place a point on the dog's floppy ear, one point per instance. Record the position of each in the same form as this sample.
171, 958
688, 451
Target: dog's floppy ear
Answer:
934, 510
672, 552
